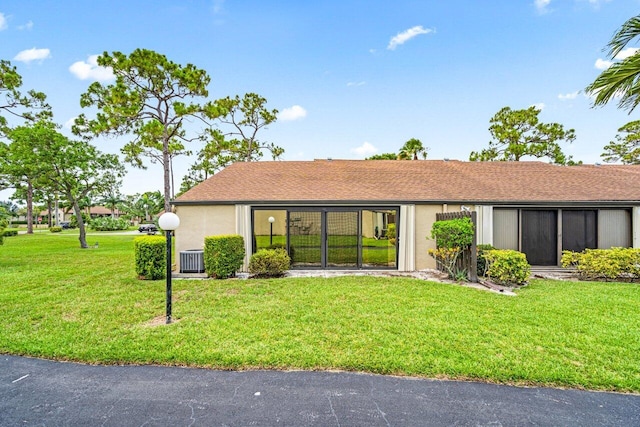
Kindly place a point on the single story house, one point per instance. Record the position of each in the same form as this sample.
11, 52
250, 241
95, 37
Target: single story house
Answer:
360, 214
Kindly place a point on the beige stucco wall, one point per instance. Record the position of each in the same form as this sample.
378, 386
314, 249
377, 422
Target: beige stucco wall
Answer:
197, 222
425, 217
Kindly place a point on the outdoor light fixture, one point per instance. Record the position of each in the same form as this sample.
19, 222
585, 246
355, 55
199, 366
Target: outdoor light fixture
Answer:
271, 221
168, 221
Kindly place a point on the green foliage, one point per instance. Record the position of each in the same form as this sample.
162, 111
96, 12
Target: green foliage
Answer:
223, 255
269, 263
620, 81
383, 156
481, 263
447, 259
9, 233
15, 102
391, 231
150, 257
626, 147
621, 264
55, 229
412, 149
73, 220
108, 223
519, 133
507, 267
453, 233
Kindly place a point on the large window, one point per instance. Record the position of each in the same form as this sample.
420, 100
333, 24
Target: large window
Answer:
330, 237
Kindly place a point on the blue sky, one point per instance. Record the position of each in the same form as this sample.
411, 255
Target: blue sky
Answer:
350, 78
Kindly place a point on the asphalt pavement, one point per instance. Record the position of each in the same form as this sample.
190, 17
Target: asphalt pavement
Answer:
36, 392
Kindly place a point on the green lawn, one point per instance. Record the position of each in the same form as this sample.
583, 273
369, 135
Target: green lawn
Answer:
58, 301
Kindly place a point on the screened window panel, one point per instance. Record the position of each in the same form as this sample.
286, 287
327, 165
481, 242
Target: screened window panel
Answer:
505, 228
614, 228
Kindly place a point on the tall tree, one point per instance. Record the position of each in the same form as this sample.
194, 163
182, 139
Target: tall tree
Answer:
626, 147
412, 149
621, 80
519, 133
22, 164
75, 169
151, 99
29, 106
237, 140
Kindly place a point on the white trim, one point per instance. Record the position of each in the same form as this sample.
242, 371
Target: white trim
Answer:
485, 225
407, 238
243, 228
635, 226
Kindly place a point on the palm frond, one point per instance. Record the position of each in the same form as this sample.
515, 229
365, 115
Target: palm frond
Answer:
627, 32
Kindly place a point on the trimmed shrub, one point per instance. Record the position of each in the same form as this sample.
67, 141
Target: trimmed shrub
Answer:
481, 263
453, 233
55, 229
269, 263
108, 223
507, 267
73, 220
9, 233
605, 264
223, 255
150, 257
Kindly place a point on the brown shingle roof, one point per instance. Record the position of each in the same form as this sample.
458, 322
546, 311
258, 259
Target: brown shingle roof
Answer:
417, 181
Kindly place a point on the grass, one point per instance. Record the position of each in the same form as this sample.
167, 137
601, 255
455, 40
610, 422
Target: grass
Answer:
58, 301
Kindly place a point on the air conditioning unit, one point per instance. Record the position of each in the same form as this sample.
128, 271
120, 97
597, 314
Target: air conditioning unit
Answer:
192, 261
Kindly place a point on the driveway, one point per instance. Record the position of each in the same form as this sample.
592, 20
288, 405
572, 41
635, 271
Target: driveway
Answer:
40, 392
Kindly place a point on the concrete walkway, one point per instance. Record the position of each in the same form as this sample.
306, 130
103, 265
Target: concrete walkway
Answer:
39, 392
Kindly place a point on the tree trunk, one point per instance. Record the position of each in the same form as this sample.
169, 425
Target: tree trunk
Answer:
51, 213
167, 173
81, 226
29, 208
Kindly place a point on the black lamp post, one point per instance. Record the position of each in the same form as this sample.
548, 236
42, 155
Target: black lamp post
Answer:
271, 221
168, 222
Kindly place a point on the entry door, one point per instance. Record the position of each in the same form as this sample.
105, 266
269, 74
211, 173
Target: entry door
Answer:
342, 239
540, 236
579, 230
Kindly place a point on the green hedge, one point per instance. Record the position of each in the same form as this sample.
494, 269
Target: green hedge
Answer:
55, 229
223, 255
269, 263
108, 223
9, 233
507, 267
150, 257
622, 264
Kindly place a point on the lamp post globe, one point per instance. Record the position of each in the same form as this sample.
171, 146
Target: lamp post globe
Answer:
271, 221
168, 221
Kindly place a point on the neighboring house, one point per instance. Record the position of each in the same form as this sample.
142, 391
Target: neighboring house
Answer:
65, 214
342, 213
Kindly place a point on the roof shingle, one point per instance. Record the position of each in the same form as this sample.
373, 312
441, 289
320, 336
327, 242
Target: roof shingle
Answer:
387, 181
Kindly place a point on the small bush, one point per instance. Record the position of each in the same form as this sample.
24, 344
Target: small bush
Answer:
391, 231
447, 259
108, 223
453, 233
9, 233
150, 257
269, 263
481, 263
73, 220
55, 229
223, 255
507, 267
1, 235
605, 264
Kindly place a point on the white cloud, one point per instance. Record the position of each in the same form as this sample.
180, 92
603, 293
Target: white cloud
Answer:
293, 113
625, 53
602, 64
28, 26
566, 96
90, 70
3, 22
32, 55
541, 5
407, 35
364, 150
540, 106
356, 84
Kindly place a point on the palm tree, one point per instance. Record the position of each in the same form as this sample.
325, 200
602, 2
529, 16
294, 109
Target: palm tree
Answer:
622, 79
411, 149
